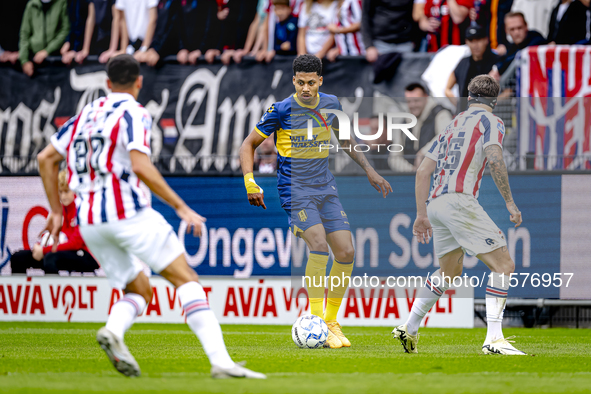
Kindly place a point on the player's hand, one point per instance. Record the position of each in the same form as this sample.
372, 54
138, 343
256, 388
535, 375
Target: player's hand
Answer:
379, 183
38, 252
193, 219
515, 213
54, 226
422, 229
254, 192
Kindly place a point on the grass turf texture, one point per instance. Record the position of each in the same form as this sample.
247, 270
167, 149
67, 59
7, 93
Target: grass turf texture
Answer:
64, 357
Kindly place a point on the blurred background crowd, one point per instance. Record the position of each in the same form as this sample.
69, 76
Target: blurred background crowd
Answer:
201, 30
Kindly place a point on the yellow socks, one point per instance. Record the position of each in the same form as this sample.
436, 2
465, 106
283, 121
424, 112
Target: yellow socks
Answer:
336, 294
315, 273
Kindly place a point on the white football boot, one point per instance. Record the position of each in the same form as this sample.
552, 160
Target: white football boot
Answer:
237, 371
118, 353
409, 342
502, 346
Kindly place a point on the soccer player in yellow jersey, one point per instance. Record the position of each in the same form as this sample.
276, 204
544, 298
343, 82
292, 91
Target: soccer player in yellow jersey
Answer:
307, 189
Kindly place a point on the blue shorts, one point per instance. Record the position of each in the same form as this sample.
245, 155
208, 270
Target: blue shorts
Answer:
323, 209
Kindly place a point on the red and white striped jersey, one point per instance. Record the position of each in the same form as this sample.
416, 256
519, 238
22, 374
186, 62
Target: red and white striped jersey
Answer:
459, 152
96, 145
350, 44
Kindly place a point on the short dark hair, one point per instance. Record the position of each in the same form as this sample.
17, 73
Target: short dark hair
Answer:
307, 64
416, 85
281, 2
516, 14
485, 86
123, 70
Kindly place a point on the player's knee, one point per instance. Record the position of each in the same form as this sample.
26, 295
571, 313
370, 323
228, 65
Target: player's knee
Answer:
508, 266
345, 254
318, 245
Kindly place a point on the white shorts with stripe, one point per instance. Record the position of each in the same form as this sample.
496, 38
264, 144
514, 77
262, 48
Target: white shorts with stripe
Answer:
146, 235
458, 220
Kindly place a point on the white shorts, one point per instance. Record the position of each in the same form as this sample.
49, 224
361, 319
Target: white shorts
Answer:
147, 236
458, 220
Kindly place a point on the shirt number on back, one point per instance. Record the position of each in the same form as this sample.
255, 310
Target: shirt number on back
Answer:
455, 153
82, 148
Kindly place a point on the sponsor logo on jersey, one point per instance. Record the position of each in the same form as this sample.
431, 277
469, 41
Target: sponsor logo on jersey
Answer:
489, 241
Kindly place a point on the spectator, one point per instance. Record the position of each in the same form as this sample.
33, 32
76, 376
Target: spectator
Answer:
569, 22
432, 119
138, 25
480, 14
537, 13
386, 27
9, 29
285, 32
71, 255
78, 16
445, 21
109, 30
480, 61
166, 37
347, 30
516, 27
256, 37
313, 35
234, 26
44, 28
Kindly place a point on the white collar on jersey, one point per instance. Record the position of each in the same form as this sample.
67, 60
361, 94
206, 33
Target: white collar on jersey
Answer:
120, 96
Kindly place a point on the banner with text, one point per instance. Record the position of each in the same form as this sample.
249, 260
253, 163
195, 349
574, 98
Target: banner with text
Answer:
199, 113
242, 241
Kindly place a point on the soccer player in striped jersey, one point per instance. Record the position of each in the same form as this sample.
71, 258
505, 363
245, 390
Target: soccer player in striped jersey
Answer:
107, 151
450, 212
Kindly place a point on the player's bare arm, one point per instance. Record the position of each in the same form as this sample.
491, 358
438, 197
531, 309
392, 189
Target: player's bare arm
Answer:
254, 191
498, 170
49, 160
142, 166
375, 179
422, 227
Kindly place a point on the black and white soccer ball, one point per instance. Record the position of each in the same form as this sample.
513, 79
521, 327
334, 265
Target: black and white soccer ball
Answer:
309, 332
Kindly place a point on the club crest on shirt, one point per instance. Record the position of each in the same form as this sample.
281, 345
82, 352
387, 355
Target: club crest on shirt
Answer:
303, 215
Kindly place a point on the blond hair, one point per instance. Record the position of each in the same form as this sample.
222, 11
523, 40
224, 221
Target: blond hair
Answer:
62, 179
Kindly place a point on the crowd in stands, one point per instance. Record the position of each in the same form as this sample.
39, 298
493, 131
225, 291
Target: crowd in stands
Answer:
192, 30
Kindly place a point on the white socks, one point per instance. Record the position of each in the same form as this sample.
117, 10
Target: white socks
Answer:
204, 324
124, 312
424, 301
496, 297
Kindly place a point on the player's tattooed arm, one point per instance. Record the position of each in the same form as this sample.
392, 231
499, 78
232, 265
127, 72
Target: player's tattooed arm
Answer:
375, 179
498, 170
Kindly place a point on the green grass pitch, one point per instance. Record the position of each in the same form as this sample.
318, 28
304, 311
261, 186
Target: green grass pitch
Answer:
64, 358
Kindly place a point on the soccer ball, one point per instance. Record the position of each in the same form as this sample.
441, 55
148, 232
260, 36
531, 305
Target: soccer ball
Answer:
47, 240
309, 332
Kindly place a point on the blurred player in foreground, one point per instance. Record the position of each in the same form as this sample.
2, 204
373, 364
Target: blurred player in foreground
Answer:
307, 189
107, 150
457, 160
